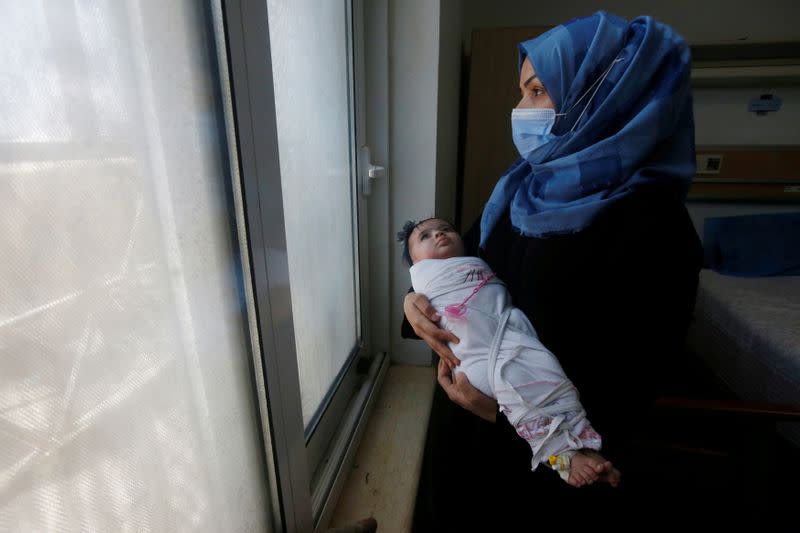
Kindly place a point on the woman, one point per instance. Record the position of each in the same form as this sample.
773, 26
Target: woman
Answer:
589, 232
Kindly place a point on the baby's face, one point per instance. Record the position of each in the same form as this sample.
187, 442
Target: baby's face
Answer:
434, 239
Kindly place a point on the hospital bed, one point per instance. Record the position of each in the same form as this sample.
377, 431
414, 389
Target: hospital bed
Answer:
747, 332
734, 413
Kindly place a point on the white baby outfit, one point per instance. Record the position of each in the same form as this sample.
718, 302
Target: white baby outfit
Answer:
501, 355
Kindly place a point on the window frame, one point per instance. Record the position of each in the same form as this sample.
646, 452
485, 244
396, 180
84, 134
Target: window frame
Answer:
307, 467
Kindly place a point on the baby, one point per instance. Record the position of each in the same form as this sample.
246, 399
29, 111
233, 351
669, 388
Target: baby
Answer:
501, 355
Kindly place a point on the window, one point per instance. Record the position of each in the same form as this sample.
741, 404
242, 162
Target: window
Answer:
126, 396
297, 109
182, 339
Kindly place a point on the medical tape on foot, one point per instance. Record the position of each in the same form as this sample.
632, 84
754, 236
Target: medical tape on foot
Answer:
561, 463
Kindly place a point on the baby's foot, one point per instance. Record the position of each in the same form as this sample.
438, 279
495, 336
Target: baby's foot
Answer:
588, 466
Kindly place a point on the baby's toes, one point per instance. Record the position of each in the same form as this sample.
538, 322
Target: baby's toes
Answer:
590, 472
602, 467
576, 479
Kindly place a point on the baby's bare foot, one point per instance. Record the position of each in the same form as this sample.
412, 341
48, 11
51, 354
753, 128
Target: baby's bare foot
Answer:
588, 466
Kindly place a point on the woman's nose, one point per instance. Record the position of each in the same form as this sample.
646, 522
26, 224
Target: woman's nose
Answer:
524, 103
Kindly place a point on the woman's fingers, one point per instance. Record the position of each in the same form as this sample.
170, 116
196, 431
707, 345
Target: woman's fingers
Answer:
423, 319
462, 393
420, 313
445, 379
463, 387
438, 339
425, 307
451, 360
472, 399
443, 375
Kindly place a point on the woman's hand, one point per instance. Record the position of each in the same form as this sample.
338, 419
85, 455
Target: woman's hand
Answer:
461, 391
423, 318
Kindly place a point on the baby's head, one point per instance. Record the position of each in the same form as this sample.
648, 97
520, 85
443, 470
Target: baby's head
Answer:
433, 238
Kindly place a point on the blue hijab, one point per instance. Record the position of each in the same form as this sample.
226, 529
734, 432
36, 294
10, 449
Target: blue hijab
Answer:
638, 129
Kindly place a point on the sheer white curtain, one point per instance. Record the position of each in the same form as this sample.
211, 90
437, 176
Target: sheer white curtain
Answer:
312, 76
126, 401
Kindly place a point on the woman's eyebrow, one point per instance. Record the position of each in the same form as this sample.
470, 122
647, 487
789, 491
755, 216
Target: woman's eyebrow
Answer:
529, 80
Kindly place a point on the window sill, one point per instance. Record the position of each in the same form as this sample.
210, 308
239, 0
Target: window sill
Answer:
384, 479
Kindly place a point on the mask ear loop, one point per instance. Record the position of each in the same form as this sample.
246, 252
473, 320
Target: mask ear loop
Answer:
596, 86
597, 83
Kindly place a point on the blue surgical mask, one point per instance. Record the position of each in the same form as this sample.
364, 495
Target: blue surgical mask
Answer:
530, 129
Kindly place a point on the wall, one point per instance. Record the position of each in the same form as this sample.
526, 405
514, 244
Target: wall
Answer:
699, 22
448, 108
721, 117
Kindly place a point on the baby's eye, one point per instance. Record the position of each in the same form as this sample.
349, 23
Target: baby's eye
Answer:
423, 236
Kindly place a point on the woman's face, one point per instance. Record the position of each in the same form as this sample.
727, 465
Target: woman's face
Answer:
533, 92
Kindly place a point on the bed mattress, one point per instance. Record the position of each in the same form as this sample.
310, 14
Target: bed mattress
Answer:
748, 331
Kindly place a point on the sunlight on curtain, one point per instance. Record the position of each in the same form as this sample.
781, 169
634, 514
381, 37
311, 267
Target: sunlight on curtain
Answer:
126, 401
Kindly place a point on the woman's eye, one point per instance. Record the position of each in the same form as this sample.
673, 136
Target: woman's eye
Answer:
534, 91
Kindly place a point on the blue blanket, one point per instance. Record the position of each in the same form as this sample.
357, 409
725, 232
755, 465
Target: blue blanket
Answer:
753, 245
